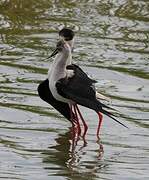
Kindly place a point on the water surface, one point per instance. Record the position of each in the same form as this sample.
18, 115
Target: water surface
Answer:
111, 45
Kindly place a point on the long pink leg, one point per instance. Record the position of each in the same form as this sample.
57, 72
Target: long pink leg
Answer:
73, 120
83, 121
77, 120
99, 124
76, 129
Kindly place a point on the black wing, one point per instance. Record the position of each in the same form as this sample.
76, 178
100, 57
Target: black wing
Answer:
46, 95
80, 74
80, 84
80, 89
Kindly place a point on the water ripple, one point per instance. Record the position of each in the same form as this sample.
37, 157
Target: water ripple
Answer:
111, 44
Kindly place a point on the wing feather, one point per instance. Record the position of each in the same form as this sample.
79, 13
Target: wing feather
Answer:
79, 85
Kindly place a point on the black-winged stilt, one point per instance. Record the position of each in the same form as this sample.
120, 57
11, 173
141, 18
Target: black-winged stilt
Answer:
68, 85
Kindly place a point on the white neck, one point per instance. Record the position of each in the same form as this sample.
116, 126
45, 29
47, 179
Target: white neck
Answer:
58, 71
71, 44
61, 60
58, 67
69, 59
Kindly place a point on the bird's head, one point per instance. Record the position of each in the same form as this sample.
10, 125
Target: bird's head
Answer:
66, 37
62, 46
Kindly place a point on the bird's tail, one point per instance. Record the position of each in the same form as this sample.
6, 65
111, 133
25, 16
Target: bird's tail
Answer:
109, 114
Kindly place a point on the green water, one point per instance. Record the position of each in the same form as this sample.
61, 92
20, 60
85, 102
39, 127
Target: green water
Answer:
111, 45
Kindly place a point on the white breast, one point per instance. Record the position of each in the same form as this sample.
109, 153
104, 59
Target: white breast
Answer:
58, 71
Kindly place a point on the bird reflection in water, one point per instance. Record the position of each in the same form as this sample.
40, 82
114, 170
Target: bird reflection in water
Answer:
75, 138
71, 150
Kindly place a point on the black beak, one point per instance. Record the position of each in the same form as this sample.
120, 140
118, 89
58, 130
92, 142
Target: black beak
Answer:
54, 53
58, 48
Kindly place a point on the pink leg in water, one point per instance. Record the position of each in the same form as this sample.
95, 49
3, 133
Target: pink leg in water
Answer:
73, 120
83, 121
77, 120
99, 124
76, 129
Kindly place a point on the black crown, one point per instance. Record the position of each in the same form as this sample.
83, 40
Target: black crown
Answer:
68, 34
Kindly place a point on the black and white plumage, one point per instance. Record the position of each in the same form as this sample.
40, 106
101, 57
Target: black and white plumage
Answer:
43, 88
68, 85
81, 89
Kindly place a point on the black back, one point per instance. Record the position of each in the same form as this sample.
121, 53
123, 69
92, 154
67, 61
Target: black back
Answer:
46, 95
79, 88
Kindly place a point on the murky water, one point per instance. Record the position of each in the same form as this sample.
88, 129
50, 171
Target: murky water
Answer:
111, 44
